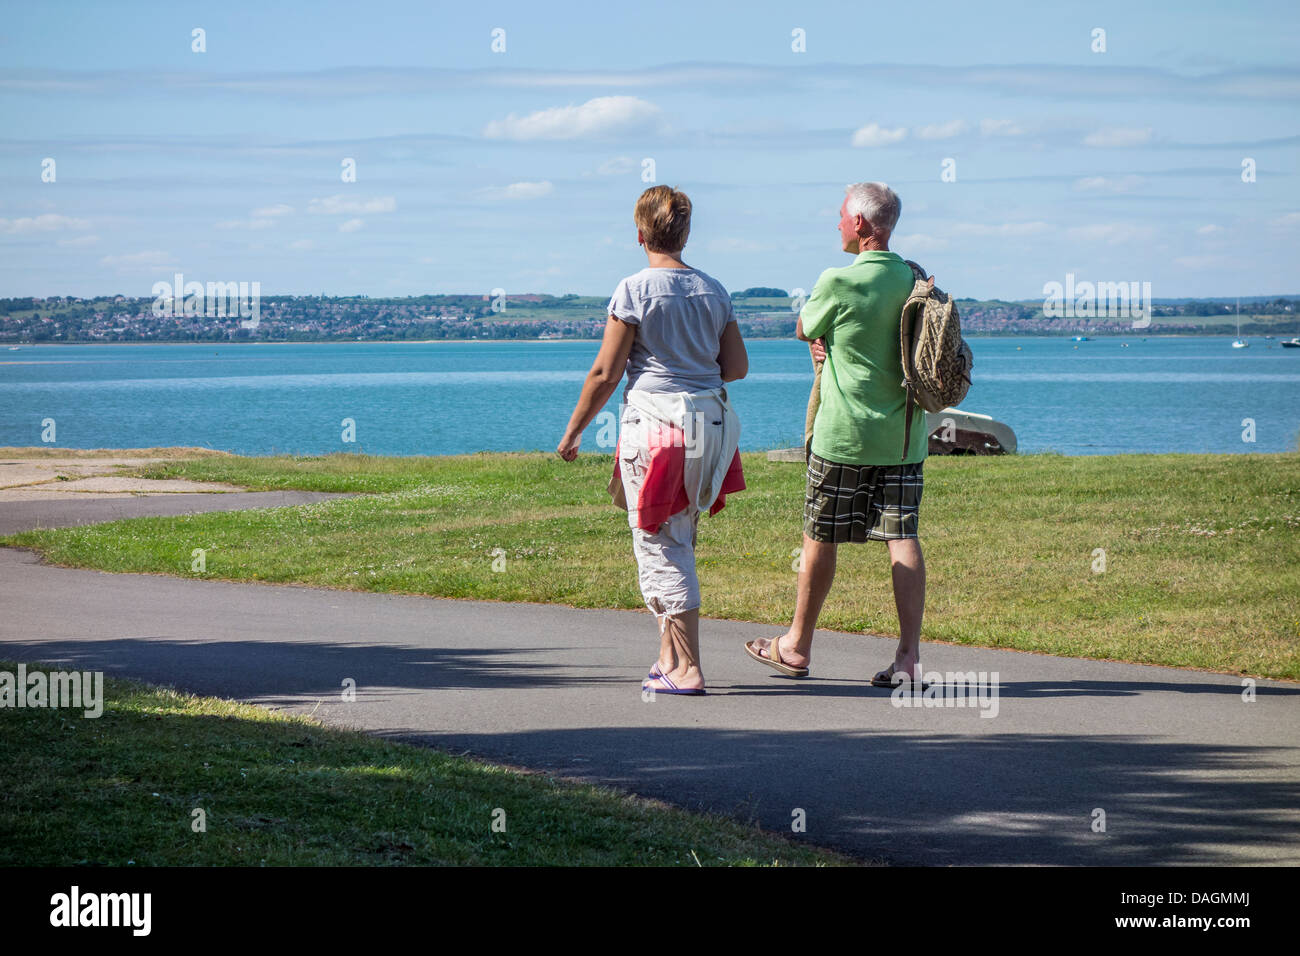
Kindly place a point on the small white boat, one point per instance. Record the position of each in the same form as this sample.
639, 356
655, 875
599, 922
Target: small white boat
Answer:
1291, 344
1240, 343
954, 432
1079, 338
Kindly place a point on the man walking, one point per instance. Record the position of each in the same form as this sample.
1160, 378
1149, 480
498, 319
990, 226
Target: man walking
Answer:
858, 488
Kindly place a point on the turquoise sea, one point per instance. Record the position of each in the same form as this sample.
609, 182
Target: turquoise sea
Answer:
1160, 394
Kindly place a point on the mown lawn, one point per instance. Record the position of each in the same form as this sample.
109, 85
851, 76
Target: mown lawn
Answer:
278, 790
1202, 552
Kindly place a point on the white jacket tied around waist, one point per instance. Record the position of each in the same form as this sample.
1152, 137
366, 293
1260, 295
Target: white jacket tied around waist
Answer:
711, 430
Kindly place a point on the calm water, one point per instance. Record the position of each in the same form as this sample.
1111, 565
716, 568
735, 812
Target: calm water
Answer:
1158, 395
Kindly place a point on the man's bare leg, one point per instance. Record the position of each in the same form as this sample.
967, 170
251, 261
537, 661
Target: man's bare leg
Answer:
907, 566
815, 579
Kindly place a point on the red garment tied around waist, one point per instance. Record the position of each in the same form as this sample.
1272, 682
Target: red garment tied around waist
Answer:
663, 489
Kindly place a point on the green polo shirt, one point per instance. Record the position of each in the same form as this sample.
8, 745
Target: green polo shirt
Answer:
857, 308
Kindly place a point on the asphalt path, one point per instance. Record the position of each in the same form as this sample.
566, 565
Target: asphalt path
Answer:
1179, 765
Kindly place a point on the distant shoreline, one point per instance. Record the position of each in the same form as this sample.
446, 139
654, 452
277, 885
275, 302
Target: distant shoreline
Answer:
1092, 336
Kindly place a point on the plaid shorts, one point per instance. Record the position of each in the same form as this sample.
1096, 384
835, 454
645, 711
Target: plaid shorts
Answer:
861, 502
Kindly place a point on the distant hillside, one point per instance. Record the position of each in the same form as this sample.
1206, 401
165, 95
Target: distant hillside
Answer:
762, 312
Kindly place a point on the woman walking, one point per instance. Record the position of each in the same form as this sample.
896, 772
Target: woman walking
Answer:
671, 328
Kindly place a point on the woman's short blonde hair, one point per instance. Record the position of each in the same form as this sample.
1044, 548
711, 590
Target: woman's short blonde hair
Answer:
663, 215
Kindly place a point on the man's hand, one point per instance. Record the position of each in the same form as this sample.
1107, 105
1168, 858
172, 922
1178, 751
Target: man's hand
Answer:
818, 347
568, 447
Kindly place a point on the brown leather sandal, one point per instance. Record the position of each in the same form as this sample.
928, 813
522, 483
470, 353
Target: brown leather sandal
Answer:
773, 648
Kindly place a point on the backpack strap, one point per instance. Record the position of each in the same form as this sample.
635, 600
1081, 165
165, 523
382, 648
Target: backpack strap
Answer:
907, 428
908, 343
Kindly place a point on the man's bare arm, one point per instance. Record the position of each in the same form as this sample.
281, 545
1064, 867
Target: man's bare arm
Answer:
733, 358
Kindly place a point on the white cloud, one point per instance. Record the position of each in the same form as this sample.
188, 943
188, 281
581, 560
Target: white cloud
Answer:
730, 244
149, 260
1230, 82
1106, 184
1290, 219
918, 242
49, 222
1118, 137
78, 242
521, 190
341, 205
352, 225
263, 218
1000, 127
302, 245
1210, 230
602, 116
1004, 230
1201, 263
873, 134
942, 130
618, 166
1111, 232
246, 224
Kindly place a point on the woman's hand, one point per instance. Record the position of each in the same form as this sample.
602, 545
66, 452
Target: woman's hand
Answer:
818, 347
568, 446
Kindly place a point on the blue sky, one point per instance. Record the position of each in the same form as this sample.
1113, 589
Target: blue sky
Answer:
518, 170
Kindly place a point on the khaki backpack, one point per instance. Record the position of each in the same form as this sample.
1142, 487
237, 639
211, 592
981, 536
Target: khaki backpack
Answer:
936, 360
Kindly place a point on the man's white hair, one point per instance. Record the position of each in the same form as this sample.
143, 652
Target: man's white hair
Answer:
876, 203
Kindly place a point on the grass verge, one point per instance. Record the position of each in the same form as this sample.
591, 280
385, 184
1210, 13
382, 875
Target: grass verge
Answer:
283, 790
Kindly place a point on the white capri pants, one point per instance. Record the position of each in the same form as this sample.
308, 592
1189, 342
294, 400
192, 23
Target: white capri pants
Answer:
665, 560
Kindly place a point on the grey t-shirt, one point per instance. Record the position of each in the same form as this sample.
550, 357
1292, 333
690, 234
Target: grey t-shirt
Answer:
680, 315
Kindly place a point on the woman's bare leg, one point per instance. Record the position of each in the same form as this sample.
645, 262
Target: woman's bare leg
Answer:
667, 653
682, 637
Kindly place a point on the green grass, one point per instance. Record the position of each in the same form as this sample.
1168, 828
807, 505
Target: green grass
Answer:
281, 790
1202, 551
48, 451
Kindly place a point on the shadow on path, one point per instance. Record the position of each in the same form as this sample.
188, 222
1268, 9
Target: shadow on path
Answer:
931, 797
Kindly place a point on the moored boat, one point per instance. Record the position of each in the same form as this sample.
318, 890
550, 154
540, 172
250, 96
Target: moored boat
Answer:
954, 432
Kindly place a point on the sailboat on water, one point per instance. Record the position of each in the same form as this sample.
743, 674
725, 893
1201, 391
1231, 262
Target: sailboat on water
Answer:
1239, 343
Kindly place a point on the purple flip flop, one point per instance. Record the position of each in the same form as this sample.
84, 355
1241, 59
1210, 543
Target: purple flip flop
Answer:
671, 688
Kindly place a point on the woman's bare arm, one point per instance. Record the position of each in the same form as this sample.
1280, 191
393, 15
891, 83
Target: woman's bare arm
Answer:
606, 372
